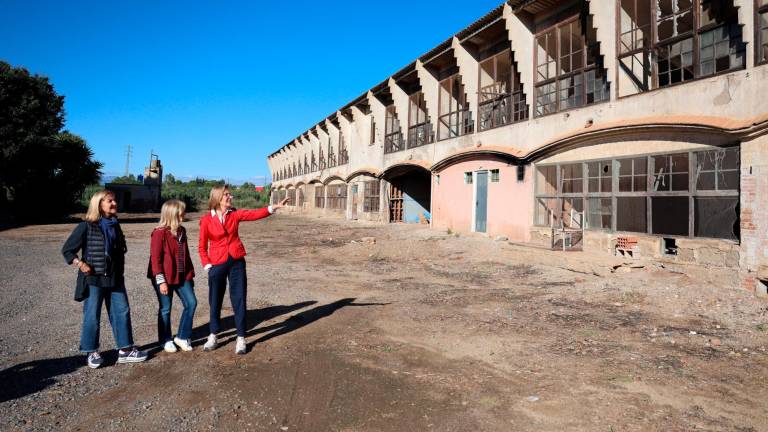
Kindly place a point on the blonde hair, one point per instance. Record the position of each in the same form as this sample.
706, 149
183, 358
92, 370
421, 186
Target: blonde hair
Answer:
170, 214
217, 193
94, 207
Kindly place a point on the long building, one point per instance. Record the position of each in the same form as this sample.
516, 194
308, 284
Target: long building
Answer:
630, 126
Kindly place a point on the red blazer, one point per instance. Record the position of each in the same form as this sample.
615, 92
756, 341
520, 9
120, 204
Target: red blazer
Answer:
164, 257
218, 241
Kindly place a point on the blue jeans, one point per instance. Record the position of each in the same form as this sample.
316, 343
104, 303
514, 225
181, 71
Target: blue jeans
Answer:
119, 313
186, 293
234, 270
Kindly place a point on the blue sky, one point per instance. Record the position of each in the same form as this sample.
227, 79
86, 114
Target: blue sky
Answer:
214, 87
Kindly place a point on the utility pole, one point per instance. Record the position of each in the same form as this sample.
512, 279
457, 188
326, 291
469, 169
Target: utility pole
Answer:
127, 160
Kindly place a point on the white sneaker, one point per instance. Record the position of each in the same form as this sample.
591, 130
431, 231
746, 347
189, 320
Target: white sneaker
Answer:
184, 344
169, 347
211, 343
240, 345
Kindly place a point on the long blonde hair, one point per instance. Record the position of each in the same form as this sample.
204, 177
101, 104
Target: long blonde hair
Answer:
170, 214
94, 207
217, 193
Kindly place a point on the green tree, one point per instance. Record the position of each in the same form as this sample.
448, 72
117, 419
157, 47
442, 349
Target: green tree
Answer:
129, 179
37, 158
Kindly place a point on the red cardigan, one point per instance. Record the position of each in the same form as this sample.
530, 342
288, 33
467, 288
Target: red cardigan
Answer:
218, 241
163, 257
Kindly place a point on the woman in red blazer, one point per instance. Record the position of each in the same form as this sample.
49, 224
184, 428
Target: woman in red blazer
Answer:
171, 270
223, 257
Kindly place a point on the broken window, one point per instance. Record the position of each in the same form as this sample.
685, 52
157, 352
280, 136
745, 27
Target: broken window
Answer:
393, 137
494, 176
371, 196
320, 196
467, 178
599, 176
331, 156
762, 31
501, 100
694, 38
454, 119
337, 196
716, 217
419, 127
600, 213
569, 71
670, 172
661, 203
343, 153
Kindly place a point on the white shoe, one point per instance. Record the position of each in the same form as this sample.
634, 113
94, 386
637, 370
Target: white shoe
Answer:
211, 343
240, 345
184, 344
169, 347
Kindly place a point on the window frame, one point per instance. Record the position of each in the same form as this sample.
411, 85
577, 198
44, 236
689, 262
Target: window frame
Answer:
585, 68
692, 193
371, 196
459, 109
653, 46
758, 42
514, 95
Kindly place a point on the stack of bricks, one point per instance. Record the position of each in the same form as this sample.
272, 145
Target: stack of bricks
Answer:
627, 246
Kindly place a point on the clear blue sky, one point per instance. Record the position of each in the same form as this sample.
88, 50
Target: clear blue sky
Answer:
214, 87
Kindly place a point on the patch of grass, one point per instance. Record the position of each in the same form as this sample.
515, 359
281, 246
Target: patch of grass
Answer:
762, 327
387, 348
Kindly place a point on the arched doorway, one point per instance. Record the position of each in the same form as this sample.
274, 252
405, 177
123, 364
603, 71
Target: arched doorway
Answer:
409, 193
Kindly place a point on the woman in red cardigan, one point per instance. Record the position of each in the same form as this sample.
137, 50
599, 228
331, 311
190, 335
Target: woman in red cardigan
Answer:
223, 257
170, 270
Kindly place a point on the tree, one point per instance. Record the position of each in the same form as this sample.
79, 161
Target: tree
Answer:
129, 179
43, 170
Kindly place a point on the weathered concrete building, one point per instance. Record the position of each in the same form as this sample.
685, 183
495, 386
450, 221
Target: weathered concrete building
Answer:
632, 121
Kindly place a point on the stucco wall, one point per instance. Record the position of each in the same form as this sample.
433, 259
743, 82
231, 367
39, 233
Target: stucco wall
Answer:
510, 203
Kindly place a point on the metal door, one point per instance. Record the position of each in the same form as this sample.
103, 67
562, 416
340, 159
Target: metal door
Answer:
354, 202
481, 201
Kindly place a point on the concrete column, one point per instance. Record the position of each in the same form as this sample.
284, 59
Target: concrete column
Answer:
604, 21
747, 21
401, 105
430, 89
469, 73
521, 34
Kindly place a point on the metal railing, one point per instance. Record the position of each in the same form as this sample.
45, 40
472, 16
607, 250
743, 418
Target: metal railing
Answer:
505, 109
455, 124
420, 134
393, 142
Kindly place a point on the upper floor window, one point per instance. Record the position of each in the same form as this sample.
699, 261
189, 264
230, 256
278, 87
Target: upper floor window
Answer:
569, 72
672, 41
419, 127
762, 31
455, 118
501, 100
393, 137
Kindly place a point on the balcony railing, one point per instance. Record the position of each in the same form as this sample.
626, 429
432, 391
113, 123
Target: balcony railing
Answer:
420, 134
343, 156
455, 124
393, 142
505, 109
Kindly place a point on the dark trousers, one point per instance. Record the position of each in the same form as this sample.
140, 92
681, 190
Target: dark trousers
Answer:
234, 270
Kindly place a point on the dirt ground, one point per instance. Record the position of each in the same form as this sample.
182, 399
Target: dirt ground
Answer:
419, 331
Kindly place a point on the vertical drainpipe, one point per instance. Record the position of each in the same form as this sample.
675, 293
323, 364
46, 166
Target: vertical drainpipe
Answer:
431, 198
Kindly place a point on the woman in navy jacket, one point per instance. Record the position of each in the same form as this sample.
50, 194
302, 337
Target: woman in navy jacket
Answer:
100, 279
171, 270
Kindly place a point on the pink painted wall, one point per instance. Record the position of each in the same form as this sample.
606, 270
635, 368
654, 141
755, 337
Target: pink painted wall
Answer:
510, 203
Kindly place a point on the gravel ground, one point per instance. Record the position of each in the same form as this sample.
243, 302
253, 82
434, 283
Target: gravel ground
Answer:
418, 330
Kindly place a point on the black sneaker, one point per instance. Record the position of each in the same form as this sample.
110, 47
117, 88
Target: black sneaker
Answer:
94, 360
132, 356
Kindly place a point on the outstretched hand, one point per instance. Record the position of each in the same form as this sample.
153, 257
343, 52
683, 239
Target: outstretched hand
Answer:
281, 204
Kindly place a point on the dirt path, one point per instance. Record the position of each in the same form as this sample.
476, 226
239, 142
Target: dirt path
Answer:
417, 331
